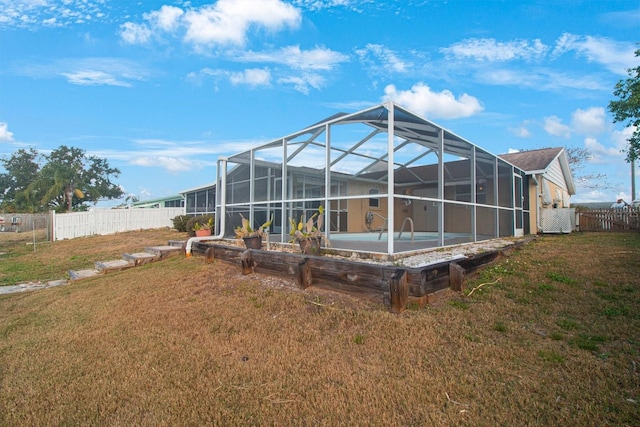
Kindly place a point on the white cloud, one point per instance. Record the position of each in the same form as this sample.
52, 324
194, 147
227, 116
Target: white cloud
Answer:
319, 58
303, 83
540, 79
5, 135
621, 138
89, 71
389, 59
316, 5
590, 195
175, 156
597, 149
490, 50
94, 78
166, 19
588, 122
51, 22
228, 21
522, 131
553, 125
421, 99
253, 77
135, 33
47, 13
171, 164
617, 57
223, 23
144, 193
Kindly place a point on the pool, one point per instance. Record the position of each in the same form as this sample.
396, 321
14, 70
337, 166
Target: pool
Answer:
373, 236
368, 241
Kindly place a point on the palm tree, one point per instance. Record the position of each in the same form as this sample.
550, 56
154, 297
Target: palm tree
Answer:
64, 185
131, 199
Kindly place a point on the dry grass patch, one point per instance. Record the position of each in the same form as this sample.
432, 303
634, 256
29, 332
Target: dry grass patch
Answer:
182, 342
19, 262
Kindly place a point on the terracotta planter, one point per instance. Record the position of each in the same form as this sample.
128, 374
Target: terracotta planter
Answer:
311, 245
253, 242
203, 232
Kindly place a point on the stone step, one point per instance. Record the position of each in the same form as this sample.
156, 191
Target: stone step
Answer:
140, 258
115, 265
163, 252
178, 243
31, 286
150, 254
82, 274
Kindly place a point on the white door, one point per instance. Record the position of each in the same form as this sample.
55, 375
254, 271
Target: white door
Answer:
517, 203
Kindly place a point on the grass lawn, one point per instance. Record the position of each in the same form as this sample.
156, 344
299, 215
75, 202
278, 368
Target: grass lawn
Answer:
549, 336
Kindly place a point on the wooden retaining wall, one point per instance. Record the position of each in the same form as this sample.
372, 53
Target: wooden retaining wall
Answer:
393, 286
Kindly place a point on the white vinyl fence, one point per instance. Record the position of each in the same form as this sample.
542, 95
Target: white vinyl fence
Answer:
108, 221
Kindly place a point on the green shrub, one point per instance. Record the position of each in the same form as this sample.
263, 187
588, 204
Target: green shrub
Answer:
180, 222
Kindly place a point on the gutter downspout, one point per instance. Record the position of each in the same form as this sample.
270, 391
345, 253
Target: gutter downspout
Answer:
221, 195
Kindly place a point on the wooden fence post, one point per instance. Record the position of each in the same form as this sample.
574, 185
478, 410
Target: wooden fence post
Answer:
304, 274
456, 277
398, 291
209, 255
247, 262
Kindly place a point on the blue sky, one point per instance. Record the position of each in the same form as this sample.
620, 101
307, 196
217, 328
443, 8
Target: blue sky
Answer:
163, 88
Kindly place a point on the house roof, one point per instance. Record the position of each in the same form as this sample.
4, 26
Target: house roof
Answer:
532, 160
198, 188
539, 161
158, 200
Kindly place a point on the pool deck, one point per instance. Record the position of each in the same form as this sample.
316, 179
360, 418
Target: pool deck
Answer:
377, 249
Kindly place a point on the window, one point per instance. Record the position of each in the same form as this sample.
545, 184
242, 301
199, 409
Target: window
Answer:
374, 202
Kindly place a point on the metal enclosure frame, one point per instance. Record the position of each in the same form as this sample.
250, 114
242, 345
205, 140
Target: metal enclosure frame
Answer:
380, 172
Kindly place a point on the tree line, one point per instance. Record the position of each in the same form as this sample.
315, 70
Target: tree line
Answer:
65, 180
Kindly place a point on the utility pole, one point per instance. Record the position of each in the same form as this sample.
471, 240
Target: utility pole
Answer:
633, 180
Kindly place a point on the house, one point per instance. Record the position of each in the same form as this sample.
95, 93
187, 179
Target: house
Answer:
163, 202
550, 188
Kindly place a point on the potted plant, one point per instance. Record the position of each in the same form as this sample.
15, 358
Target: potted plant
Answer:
252, 237
203, 230
308, 233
